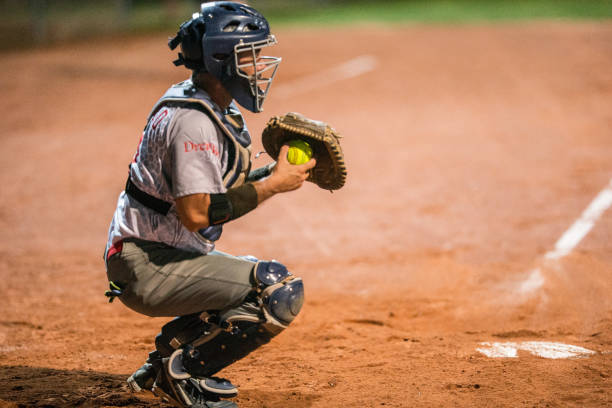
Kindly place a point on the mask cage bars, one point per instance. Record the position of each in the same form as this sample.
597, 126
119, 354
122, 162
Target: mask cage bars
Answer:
259, 84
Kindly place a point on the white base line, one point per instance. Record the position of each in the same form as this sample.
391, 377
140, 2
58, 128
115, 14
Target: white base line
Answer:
533, 282
350, 69
572, 236
583, 225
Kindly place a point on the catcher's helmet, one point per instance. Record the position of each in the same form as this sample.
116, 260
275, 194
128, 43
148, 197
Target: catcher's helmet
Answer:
214, 39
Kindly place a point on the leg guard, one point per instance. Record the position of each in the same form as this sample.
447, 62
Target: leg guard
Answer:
211, 342
275, 302
228, 347
183, 330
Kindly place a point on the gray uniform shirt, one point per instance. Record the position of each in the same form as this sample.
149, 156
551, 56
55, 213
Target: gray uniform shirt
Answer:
182, 152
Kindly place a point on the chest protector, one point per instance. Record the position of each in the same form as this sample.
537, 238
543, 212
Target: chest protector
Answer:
233, 128
229, 122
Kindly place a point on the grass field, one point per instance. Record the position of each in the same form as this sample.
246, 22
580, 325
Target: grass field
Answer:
444, 11
31, 23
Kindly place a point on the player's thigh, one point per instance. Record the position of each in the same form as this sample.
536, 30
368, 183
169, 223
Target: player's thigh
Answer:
165, 281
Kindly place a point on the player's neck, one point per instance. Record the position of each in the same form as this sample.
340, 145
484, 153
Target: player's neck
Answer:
214, 89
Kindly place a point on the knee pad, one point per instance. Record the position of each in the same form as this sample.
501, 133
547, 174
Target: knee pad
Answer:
281, 293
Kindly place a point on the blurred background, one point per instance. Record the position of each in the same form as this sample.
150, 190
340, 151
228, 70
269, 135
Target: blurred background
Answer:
476, 132
44, 22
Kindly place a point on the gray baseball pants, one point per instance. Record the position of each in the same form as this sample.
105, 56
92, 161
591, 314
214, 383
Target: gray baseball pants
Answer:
159, 280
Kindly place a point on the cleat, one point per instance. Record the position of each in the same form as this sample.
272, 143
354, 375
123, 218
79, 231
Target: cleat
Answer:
214, 385
186, 393
220, 387
143, 378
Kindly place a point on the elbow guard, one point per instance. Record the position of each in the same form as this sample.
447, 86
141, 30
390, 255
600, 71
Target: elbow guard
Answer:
233, 204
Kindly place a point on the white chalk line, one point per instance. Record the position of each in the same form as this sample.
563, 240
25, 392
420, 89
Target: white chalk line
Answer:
583, 225
572, 237
533, 281
543, 349
349, 69
308, 231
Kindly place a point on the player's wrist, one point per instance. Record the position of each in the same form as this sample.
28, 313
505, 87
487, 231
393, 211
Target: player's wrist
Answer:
266, 188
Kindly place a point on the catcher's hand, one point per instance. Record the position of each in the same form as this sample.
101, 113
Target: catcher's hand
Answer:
330, 170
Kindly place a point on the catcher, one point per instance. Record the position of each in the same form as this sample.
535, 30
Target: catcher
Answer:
191, 174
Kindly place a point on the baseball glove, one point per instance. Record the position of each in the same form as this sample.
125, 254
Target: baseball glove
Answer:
330, 171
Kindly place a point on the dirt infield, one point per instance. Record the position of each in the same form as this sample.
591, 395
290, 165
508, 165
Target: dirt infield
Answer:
470, 149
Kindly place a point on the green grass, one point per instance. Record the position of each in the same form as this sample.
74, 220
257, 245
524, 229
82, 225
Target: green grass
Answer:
441, 11
25, 23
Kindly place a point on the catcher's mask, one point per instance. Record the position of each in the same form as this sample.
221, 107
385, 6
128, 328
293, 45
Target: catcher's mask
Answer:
225, 39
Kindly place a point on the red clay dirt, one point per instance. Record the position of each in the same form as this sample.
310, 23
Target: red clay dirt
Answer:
470, 149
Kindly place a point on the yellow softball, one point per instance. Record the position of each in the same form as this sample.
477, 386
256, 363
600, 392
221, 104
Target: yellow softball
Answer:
299, 152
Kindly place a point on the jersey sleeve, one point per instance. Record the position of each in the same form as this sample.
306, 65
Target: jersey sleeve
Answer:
196, 148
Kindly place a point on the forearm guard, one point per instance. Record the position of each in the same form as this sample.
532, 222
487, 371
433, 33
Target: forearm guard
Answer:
232, 204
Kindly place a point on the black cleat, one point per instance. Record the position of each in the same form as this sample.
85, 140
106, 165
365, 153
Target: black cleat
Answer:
186, 393
214, 385
143, 378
